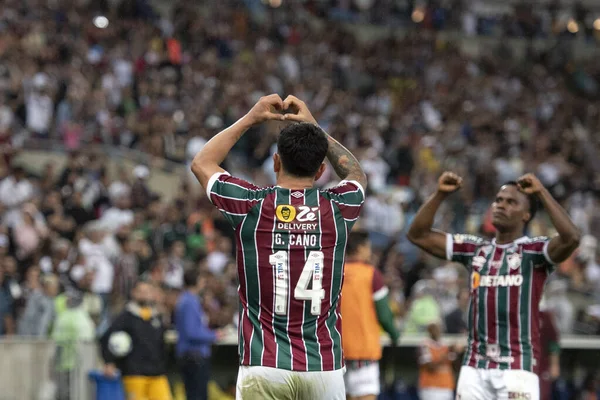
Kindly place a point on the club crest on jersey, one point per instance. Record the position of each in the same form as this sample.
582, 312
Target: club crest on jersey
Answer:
514, 260
478, 262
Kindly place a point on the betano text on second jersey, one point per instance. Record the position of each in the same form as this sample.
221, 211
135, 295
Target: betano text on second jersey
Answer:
290, 259
507, 282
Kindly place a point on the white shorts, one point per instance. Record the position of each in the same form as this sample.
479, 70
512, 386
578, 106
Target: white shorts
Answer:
495, 384
363, 381
265, 383
436, 394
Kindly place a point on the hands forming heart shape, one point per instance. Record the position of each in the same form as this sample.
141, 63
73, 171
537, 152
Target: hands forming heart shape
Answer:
272, 107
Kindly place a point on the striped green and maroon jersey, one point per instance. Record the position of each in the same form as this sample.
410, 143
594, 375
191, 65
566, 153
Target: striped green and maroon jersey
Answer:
506, 287
290, 259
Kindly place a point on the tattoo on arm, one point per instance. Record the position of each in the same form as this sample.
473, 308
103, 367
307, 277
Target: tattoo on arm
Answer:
344, 163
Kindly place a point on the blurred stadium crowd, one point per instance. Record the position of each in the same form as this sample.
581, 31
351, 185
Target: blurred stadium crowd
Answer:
408, 107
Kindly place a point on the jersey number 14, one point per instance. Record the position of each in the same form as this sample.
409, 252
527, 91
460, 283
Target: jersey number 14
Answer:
312, 271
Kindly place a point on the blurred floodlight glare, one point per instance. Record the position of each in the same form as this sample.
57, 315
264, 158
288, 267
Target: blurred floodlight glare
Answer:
101, 22
418, 15
597, 24
275, 3
572, 26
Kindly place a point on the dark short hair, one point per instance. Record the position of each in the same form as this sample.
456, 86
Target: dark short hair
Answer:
355, 240
533, 201
302, 148
190, 277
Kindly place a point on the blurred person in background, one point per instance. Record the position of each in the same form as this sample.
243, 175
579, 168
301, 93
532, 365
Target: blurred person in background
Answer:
29, 233
456, 320
144, 368
72, 326
501, 362
436, 372
96, 254
591, 387
15, 191
365, 307
549, 357
39, 311
423, 308
195, 339
558, 302
7, 322
39, 105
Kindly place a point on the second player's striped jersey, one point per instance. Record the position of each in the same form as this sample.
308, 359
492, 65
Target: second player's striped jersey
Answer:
507, 282
290, 258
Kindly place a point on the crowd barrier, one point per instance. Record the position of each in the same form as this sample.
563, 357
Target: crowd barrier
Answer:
35, 369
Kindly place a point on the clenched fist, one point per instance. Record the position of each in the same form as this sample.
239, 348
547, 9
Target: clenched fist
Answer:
449, 182
529, 184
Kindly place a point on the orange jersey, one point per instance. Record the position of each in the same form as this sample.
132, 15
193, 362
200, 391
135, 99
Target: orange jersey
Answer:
363, 285
441, 376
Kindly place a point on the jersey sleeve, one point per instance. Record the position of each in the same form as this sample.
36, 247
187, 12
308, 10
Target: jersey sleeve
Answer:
234, 197
461, 248
378, 286
349, 197
538, 248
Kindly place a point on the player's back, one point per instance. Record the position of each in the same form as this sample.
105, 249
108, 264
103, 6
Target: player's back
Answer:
290, 256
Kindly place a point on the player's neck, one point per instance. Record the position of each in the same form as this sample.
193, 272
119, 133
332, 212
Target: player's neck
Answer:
507, 237
290, 182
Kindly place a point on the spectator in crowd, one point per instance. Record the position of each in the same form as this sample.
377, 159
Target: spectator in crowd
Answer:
71, 327
436, 374
194, 337
7, 322
549, 362
456, 320
423, 308
144, 368
158, 89
560, 305
15, 191
39, 311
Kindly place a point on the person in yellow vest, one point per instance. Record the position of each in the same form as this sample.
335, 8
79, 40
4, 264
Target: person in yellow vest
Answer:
364, 308
436, 376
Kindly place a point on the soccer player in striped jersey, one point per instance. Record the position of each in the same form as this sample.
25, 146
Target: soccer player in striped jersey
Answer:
290, 241
507, 278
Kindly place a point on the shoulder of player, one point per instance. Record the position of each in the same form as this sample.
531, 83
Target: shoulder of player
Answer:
363, 269
533, 243
465, 238
535, 239
343, 188
228, 179
360, 264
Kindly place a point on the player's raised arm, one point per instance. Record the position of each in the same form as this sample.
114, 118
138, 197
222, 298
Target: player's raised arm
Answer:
208, 160
421, 232
562, 246
344, 163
